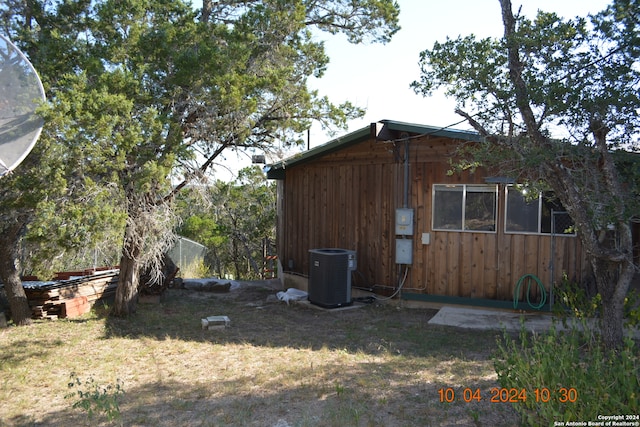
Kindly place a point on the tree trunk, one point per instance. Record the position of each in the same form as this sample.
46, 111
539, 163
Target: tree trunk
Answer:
610, 253
217, 262
252, 262
612, 322
206, 11
613, 284
10, 275
128, 280
236, 259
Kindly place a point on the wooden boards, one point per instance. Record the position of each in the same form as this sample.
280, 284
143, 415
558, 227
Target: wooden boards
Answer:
70, 298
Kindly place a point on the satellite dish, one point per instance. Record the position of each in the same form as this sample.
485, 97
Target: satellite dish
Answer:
20, 94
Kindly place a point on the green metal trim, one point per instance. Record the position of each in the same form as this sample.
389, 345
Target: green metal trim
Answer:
475, 302
432, 130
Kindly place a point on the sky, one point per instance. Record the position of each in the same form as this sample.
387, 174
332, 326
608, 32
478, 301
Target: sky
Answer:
377, 77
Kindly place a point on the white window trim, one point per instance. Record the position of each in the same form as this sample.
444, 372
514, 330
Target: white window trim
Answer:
494, 189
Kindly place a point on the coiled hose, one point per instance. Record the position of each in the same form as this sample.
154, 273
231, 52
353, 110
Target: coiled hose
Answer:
543, 292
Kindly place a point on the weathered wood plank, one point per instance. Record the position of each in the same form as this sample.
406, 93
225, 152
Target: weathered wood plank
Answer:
490, 270
478, 259
468, 262
453, 264
348, 199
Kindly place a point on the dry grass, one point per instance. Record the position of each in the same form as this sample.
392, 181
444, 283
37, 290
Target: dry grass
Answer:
276, 365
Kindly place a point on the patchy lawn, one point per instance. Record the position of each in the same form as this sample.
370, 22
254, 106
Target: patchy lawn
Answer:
276, 365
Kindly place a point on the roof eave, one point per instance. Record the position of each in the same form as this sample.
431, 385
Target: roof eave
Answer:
277, 170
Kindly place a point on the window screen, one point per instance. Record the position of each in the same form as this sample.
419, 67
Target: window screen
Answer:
464, 207
523, 215
534, 215
480, 208
447, 207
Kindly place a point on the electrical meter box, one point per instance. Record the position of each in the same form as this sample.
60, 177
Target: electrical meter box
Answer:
404, 222
404, 251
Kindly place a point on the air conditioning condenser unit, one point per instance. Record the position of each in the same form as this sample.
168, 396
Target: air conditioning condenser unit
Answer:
330, 276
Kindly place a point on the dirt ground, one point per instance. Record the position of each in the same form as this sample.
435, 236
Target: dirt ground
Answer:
276, 365
439, 357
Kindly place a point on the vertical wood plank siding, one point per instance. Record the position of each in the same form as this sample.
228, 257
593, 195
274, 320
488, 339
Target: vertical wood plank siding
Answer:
347, 199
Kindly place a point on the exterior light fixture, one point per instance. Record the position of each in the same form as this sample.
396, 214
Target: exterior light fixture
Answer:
258, 159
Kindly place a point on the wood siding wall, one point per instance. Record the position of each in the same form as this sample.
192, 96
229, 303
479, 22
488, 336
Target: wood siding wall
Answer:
347, 199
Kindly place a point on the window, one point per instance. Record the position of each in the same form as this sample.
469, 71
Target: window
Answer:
464, 207
526, 214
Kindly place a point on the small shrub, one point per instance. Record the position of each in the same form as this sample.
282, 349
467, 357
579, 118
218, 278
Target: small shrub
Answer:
94, 398
574, 301
581, 378
197, 269
632, 309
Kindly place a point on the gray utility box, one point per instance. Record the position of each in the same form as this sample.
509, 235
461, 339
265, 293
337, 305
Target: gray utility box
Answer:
404, 222
330, 276
404, 251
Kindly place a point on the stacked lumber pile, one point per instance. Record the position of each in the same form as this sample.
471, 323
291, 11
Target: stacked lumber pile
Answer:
70, 298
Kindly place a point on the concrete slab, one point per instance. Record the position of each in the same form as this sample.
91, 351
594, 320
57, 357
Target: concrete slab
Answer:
474, 318
484, 319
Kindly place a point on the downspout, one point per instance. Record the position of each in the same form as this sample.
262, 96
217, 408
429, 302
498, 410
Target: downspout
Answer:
405, 202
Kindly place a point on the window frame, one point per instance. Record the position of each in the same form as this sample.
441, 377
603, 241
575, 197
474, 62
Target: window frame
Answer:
476, 188
539, 232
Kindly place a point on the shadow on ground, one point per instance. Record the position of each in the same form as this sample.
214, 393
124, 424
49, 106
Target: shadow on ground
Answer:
323, 401
259, 319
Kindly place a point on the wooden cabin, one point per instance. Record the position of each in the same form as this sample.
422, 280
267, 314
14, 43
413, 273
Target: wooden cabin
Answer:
387, 192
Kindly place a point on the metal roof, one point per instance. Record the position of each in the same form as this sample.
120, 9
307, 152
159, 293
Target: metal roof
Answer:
276, 170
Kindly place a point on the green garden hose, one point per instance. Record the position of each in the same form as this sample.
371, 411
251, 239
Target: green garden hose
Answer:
543, 292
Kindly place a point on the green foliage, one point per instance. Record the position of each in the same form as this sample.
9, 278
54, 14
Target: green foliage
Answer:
204, 229
95, 399
197, 269
380, 24
576, 71
139, 91
235, 223
80, 208
583, 380
573, 301
632, 309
